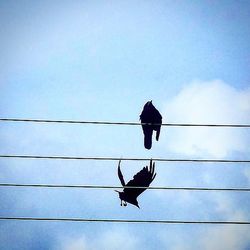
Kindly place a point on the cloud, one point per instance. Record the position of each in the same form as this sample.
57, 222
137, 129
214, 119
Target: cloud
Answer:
246, 172
226, 237
211, 237
211, 102
76, 244
230, 237
114, 239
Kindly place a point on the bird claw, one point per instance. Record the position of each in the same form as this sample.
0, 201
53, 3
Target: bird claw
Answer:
123, 203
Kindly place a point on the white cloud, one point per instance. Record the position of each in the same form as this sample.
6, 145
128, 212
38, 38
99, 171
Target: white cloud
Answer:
211, 102
246, 172
114, 239
228, 208
221, 237
76, 244
212, 237
226, 237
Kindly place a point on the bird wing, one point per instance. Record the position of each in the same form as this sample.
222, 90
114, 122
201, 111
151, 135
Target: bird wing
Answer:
141, 179
120, 174
157, 120
158, 131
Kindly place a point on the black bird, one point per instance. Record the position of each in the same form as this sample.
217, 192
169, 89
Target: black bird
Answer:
141, 179
150, 114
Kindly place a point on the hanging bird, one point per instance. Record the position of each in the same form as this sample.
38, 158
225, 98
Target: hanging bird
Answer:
141, 179
150, 114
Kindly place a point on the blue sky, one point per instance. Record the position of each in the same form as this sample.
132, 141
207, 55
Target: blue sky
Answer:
102, 60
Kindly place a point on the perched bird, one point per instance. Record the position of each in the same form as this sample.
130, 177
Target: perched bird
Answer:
150, 114
141, 179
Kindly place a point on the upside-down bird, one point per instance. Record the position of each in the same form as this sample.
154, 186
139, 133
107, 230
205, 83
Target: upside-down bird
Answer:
137, 185
150, 115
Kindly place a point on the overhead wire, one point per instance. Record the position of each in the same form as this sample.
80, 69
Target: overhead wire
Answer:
119, 187
123, 123
55, 157
127, 159
124, 220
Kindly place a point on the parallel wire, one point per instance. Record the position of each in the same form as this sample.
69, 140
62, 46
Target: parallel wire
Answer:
122, 158
119, 187
123, 123
130, 159
125, 221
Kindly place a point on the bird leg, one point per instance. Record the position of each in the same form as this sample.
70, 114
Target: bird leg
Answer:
123, 203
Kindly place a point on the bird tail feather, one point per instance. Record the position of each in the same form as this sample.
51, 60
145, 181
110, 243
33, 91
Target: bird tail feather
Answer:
148, 141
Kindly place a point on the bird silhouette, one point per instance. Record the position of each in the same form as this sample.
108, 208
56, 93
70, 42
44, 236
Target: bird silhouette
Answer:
131, 190
150, 114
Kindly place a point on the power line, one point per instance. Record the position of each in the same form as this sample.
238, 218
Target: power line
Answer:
123, 159
123, 123
118, 187
125, 221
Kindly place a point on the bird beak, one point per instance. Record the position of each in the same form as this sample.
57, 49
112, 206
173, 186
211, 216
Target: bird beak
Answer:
116, 191
138, 206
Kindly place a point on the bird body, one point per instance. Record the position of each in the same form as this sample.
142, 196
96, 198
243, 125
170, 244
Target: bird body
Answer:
150, 115
137, 185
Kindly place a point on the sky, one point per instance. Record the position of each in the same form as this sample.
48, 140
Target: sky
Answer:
102, 61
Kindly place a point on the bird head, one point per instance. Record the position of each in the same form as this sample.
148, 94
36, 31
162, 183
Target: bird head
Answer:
148, 106
121, 196
124, 199
149, 103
